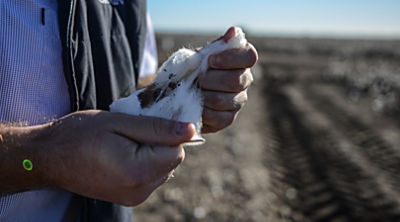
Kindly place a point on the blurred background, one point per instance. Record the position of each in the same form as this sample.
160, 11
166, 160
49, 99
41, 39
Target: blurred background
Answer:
318, 140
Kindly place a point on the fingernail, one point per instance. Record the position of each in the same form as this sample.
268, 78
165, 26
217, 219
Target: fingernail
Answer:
180, 128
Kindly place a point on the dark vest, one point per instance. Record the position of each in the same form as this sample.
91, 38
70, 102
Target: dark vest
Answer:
102, 50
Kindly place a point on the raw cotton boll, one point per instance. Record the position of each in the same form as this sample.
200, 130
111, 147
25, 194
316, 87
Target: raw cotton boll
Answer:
179, 66
175, 93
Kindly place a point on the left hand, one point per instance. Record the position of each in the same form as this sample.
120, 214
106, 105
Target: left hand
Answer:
225, 86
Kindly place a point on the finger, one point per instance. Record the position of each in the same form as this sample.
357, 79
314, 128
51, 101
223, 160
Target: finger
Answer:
152, 162
140, 194
163, 179
157, 163
230, 33
153, 167
235, 80
221, 101
218, 119
234, 58
163, 159
151, 129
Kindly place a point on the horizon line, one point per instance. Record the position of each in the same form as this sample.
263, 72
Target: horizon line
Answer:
287, 33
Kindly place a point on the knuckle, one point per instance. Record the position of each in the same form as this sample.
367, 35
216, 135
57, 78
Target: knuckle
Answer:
246, 79
240, 100
245, 98
180, 156
250, 77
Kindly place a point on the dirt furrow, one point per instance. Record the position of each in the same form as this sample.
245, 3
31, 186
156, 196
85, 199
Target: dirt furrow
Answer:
368, 142
350, 193
303, 168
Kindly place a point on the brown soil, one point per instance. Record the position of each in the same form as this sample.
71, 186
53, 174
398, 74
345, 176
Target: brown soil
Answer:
319, 139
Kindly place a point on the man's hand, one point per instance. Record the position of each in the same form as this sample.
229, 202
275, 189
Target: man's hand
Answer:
96, 154
225, 85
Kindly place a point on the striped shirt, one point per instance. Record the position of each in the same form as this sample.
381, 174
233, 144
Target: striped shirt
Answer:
33, 90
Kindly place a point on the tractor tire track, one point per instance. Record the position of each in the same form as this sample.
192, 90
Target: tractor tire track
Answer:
302, 167
368, 142
329, 186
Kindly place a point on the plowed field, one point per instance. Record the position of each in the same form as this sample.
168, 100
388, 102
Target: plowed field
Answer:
319, 139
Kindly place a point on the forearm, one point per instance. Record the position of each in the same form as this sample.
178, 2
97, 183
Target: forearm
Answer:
93, 153
16, 145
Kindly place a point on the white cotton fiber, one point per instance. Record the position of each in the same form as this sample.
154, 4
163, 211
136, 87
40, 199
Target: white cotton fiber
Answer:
174, 93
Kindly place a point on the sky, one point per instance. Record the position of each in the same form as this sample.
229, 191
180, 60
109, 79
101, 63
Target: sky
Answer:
341, 18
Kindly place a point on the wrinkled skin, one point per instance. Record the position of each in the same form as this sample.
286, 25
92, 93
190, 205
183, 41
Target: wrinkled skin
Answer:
94, 153
225, 85
101, 154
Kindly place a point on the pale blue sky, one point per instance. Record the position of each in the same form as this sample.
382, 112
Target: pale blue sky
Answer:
288, 17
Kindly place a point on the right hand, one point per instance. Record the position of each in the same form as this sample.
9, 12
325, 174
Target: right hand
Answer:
102, 155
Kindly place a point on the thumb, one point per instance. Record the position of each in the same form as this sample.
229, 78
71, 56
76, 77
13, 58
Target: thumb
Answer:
146, 129
230, 33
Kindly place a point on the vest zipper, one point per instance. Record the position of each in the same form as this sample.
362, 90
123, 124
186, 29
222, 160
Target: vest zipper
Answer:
70, 27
